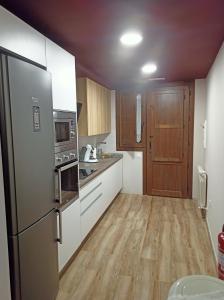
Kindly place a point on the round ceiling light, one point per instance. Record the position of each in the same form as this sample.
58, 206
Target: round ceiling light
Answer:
149, 68
131, 38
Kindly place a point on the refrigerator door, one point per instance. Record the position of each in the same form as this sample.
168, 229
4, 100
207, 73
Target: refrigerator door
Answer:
37, 259
32, 141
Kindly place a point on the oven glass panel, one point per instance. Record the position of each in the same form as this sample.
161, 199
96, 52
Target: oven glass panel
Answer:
62, 132
69, 184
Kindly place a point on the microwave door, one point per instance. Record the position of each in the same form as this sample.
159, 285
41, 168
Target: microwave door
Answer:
62, 132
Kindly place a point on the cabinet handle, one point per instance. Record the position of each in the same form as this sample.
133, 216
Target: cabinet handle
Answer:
60, 239
100, 195
83, 198
139, 124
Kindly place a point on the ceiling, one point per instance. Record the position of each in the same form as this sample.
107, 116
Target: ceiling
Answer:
181, 37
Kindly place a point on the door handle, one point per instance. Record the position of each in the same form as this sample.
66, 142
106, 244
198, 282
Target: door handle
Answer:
59, 239
59, 199
138, 119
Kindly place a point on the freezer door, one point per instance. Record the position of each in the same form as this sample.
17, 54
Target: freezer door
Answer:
37, 259
32, 141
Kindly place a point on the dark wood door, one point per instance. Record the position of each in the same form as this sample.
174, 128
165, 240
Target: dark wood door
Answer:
167, 142
126, 113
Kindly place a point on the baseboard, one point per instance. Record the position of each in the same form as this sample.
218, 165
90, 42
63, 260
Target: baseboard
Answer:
213, 246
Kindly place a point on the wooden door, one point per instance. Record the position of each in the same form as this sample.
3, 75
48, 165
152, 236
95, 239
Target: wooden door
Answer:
167, 142
126, 121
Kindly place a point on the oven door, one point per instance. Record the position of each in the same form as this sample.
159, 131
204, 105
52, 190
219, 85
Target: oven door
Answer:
67, 183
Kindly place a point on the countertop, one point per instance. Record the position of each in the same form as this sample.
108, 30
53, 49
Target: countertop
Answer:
100, 167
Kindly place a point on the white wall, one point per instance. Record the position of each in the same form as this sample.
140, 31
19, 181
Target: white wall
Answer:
4, 266
214, 157
199, 119
132, 161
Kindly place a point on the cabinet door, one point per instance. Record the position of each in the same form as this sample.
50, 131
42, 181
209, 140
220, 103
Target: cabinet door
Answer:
126, 111
112, 180
105, 118
95, 116
20, 38
93, 107
61, 65
71, 236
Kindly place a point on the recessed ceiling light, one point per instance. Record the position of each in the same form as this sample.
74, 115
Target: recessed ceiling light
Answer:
131, 38
149, 68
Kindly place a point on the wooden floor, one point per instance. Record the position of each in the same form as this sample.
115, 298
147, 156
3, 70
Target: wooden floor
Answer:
140, 247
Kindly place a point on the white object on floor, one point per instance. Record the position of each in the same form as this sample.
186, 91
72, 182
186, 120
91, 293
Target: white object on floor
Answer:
197, 287
211, 296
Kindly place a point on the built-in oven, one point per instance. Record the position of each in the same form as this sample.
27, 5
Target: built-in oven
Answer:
65, 130
67, 183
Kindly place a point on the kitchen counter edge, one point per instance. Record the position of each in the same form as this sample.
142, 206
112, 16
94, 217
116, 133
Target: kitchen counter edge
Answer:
100, 167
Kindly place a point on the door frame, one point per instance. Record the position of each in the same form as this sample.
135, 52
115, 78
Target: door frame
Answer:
191, 86
143, 89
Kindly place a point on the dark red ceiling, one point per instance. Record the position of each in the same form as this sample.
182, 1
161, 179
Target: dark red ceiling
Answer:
181, 36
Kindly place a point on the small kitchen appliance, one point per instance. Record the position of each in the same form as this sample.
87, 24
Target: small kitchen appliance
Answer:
88, 154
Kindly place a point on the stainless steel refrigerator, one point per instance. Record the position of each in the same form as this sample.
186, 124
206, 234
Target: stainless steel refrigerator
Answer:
28, 165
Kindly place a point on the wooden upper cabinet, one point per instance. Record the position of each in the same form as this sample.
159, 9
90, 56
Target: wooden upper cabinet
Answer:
95, 116
130, 120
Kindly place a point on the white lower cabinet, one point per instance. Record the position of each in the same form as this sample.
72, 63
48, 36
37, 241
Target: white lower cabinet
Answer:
71, 237
96, 196
112, 182
80, 217
91, 203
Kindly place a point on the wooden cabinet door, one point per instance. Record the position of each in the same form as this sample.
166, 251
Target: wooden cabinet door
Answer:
126, 121
167, 142
95, 116
93, 107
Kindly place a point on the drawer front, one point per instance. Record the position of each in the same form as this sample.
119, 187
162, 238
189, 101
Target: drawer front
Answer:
90, 196
91, 214
89, 187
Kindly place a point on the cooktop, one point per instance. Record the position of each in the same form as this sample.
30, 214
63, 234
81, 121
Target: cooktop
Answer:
85, 172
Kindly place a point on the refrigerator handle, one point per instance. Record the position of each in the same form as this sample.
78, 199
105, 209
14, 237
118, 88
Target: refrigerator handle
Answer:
59, 239
59, 199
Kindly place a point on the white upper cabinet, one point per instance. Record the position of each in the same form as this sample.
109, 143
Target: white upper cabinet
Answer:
20, 38
61, 65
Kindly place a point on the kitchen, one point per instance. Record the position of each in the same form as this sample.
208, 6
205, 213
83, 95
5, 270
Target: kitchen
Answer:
86, 160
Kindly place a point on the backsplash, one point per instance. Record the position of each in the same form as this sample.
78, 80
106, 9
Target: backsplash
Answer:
92, 140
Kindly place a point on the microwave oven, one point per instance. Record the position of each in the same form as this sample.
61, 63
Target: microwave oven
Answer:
65, 130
